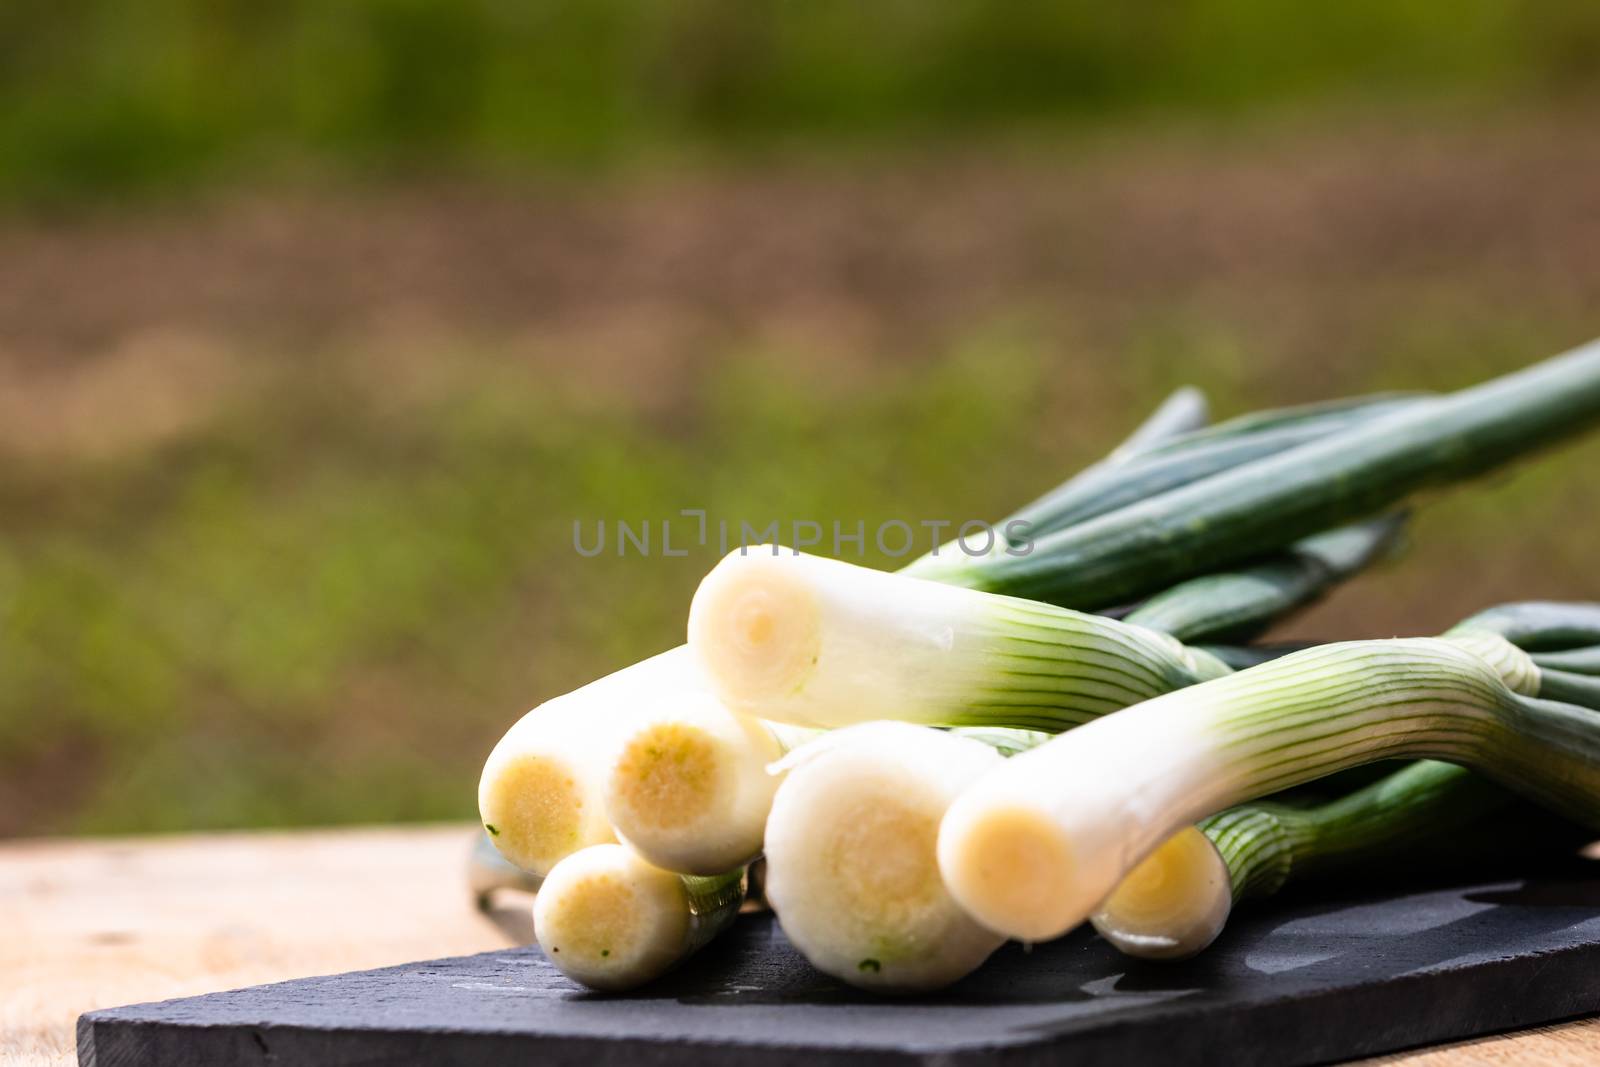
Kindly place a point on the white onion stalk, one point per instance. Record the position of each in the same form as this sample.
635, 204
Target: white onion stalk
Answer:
1177, 900
1032, 850
816, 642
611, 921
690, 786
541, 796
851, 866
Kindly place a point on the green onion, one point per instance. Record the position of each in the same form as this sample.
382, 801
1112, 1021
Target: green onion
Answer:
1259, 506
611, 921
852, 871
550, 786
1032, 851
549, 793
689, 787
816, 642
683, 791
542, 785
1176, 901
686, 792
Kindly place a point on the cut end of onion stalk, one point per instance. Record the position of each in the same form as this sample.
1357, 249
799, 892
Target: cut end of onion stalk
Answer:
538, 797
851, 865
756, 625
1011, 867
1173, 904
610, 920
542, 793
689, 789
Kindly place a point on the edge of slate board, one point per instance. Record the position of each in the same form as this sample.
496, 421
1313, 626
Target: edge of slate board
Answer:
1308, 981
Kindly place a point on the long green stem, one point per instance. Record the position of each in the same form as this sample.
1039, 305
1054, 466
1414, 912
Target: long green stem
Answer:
1423, 808
1255, 508
1194, 456
1184, 411
1569, 688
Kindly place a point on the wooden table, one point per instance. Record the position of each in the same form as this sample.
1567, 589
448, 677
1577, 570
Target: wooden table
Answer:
96, 923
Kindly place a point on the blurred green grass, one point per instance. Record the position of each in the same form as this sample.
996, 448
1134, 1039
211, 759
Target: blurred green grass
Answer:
103, 96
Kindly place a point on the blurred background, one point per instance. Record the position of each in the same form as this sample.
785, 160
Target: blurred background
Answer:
320, 324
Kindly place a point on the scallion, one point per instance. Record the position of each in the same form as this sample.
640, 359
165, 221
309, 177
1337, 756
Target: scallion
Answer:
1033, 851
817, 642
611, 921
542, 787
852, 871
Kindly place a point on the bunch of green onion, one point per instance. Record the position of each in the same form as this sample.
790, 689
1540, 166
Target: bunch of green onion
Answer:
851, 725
690, 790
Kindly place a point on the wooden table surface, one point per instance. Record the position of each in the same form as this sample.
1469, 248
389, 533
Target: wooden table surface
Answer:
96, 923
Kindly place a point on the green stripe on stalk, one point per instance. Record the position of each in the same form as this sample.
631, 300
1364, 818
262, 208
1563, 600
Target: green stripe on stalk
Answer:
1255, 508
1032, 851
1265, 844
1562, 674
816, 642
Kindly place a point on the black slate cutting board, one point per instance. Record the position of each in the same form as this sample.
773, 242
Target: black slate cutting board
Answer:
1306, 980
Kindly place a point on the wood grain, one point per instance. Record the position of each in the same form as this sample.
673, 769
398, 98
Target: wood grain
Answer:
101, 923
